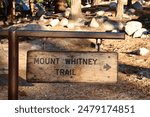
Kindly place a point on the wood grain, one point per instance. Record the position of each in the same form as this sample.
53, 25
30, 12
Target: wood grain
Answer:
45, 66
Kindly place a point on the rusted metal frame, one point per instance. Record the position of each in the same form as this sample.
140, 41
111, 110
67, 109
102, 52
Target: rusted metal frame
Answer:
98, 44
13, 49
70, 34
13, 71
3, 32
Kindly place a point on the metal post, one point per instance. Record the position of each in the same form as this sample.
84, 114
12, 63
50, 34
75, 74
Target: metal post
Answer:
98, 44
13, 66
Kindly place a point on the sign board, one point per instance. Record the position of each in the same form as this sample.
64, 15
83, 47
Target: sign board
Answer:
45, 66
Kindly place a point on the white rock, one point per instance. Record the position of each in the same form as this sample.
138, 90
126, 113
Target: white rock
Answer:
70, 25
87, 12
54, 22
42, 20
94, 23
100, 13
140, 32
64, 22
67, 12
142, 1
143, 51
144, 36
137, 5
132, 26
115, 31
108, 26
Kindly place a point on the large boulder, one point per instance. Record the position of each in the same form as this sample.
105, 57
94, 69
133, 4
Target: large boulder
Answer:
132, 26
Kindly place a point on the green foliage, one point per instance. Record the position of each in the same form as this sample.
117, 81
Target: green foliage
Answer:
69, 3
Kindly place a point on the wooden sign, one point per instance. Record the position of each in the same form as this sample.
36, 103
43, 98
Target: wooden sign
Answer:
45, 66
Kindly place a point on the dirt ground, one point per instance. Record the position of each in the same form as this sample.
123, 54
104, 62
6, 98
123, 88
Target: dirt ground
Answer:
133, 71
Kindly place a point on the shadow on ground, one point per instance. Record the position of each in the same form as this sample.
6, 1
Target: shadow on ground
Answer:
4, 81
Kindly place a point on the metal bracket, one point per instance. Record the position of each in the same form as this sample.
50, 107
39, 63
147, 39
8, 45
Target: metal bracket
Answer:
43, 43
98, 44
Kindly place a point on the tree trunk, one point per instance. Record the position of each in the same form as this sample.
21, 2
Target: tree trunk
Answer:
120, 9
76, 9
12, 12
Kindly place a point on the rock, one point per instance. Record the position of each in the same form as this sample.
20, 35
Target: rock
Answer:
49, 13
144, 36
64, 22
67, 12
132, 26
40, 11
54, 22
142, 75
100, 13
111, 25
115, 31
143, 51
137, 5
70, 25
94, 23
108, 26
140, 32
42, 20
101, 19
113, 5
142, 1
88, 13
131, 11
